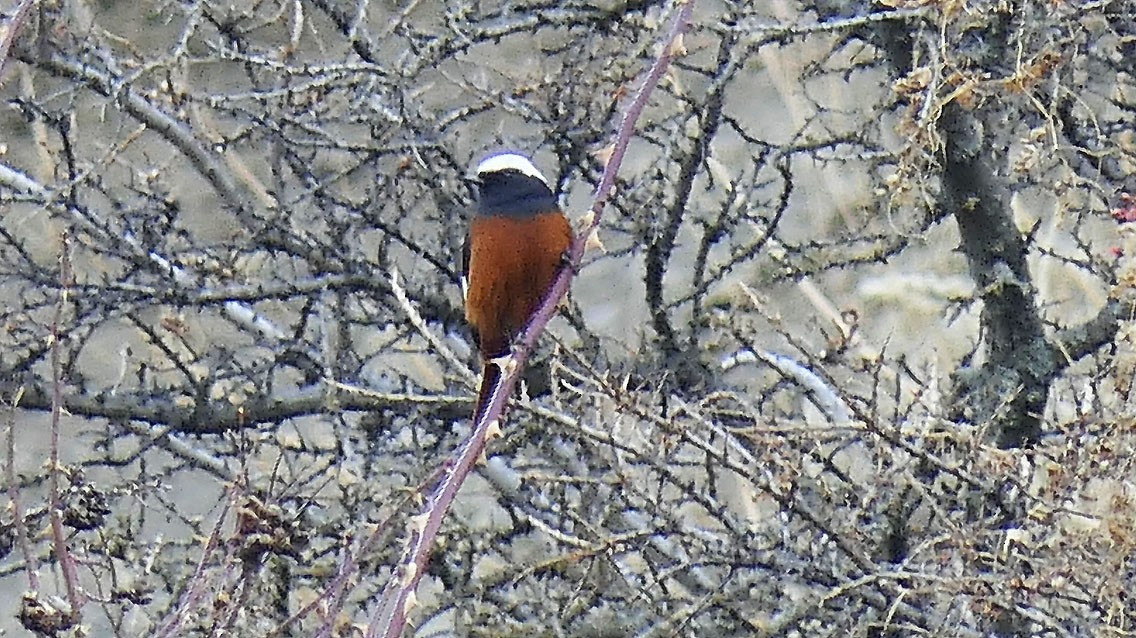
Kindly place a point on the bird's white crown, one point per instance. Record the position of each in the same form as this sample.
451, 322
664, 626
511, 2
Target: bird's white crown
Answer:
509, 162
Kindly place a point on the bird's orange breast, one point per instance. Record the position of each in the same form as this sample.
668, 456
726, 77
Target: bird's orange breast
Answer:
512, 262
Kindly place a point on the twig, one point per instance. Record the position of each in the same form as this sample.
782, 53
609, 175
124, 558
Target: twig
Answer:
196, 585
31, 562
419, 324
337, 591
12, 27
823, 395
162, 436
756, 31
210, 417
66, 561
184, 278
174, 131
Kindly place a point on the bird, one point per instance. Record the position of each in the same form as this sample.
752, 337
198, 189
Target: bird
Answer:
516, 245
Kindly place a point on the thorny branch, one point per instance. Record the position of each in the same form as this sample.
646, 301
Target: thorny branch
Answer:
391, 616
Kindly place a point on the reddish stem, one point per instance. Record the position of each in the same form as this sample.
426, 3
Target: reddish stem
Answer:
424, 529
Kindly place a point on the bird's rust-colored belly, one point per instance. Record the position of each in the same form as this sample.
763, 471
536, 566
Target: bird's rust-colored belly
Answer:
512, 263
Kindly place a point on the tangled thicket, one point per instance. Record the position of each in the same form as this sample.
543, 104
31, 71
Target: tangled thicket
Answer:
855, 358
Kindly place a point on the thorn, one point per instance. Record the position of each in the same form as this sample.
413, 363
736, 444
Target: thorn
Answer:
593, 242
672, 78
417, 524
604, 154
409, 571
506, 363
678, 47
408, 605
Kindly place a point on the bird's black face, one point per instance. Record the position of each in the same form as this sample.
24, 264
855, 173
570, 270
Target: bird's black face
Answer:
511, 193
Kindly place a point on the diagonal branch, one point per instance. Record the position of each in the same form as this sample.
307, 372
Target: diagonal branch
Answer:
390, 616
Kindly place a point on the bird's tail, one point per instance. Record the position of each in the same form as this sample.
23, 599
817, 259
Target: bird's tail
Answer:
490, 373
